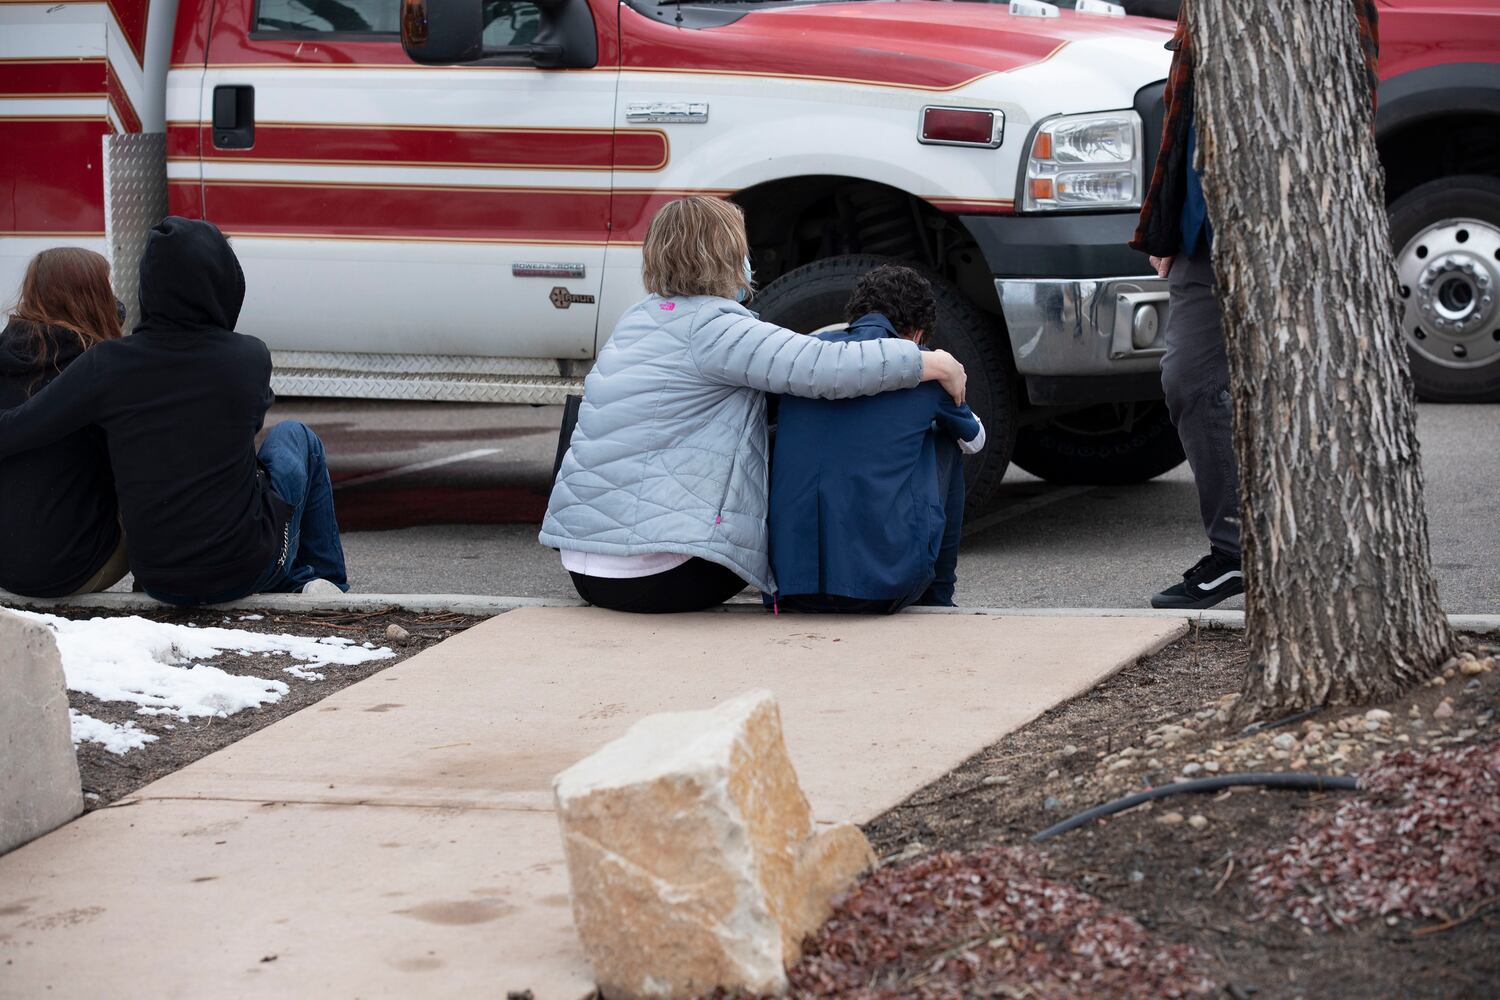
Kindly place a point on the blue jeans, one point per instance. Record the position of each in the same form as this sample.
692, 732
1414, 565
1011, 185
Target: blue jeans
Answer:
293, 458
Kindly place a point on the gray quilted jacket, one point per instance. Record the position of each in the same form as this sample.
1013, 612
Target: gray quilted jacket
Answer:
669, 453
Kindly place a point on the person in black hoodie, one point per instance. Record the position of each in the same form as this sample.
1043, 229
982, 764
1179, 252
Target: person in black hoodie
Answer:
59, 527
180, 402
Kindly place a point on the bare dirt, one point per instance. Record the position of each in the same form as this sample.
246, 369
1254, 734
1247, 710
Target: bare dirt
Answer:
107, 776
1178, 867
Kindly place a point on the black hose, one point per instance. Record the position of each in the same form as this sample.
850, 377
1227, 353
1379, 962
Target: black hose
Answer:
1257, 727
1303, 782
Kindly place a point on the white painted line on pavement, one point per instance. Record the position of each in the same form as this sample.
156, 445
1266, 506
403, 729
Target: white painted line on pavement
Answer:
402, 470
987, 522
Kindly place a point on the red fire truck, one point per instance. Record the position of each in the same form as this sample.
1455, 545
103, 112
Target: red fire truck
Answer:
465, 222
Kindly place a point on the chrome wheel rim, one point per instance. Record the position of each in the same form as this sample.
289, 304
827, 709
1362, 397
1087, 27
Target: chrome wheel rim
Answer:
1449, 276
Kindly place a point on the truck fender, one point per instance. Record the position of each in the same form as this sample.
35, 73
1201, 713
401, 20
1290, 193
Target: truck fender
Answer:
1437, 90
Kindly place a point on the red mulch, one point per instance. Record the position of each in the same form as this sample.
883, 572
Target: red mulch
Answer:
1423, 842
986, 923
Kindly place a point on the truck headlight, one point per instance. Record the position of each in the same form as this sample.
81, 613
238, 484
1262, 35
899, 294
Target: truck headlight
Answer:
1084, 161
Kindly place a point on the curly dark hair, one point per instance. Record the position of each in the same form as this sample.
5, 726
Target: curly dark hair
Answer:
899, 294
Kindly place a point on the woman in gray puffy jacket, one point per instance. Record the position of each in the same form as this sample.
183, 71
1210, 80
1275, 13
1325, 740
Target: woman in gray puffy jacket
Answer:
660, 503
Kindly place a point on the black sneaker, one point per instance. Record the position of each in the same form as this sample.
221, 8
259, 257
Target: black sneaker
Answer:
1212, 579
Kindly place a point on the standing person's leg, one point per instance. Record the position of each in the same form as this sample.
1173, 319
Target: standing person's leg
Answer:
1195, 380
950, 473
294, 459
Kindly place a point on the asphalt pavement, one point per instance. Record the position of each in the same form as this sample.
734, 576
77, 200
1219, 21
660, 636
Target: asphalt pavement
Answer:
440, 498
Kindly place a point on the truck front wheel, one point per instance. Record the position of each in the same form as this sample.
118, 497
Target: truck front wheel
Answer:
1446, 235
1106, 445
813, 298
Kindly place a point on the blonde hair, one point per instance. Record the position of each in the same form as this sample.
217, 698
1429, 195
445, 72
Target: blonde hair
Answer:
696, 246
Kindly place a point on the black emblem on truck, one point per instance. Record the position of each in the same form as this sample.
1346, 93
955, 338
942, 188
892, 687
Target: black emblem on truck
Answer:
562, 298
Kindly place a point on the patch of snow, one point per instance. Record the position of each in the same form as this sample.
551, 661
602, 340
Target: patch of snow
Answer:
152, 663
302, 673
250, 618
114, 737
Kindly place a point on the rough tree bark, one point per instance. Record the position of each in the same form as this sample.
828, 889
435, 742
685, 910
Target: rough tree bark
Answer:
1341, 606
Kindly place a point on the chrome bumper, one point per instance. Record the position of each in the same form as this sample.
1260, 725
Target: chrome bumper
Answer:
1108, 326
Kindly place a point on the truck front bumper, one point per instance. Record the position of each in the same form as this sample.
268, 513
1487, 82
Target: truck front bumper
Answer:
1079, 340
1084, 313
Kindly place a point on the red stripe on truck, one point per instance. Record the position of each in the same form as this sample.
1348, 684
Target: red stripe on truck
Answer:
432, 146
52, 77
412, 212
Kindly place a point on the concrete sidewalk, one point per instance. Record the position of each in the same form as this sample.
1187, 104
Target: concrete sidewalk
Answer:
397, 839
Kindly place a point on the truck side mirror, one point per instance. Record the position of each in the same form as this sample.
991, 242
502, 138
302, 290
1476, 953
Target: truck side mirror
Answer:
553, 34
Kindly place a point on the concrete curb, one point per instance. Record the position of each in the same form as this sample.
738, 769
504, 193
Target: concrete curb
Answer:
484, 605
464, 604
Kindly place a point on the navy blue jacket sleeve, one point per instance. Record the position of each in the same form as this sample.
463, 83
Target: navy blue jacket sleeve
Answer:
960, 422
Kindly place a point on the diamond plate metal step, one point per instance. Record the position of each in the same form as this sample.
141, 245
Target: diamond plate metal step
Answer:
433, 378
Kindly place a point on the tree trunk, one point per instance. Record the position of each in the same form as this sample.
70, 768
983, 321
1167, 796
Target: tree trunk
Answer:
1341, 606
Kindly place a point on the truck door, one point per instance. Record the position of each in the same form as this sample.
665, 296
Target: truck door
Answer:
359, 188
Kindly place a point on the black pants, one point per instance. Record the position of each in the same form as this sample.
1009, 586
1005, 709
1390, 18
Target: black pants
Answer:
1195, 379
696, 585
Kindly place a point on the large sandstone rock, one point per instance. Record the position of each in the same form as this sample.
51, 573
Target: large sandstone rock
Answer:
692, 854
39, 786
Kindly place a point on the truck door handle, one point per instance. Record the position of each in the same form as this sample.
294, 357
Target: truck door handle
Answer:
234, 117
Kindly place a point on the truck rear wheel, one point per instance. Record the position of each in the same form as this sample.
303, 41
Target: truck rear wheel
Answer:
1446, 234
1107, 445
813, 297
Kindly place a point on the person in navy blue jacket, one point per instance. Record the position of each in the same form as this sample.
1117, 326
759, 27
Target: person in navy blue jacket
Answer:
867, 494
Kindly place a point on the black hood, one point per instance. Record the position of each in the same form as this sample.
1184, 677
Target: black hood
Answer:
190, 279
18, 349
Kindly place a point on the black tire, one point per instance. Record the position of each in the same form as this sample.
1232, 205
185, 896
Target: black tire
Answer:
1107, 445
1451, 366
814, 296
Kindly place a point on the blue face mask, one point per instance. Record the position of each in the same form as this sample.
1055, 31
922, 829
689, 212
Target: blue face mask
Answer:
743, 292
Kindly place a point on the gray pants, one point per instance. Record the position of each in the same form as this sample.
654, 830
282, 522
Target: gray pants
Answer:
1195, 378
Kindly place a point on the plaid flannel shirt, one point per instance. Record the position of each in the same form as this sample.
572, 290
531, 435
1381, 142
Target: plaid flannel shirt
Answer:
1159, 232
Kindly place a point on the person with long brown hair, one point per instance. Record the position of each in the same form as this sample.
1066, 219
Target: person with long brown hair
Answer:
59, 525
210, 518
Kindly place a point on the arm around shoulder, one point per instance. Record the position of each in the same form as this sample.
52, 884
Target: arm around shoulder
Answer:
735, 348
